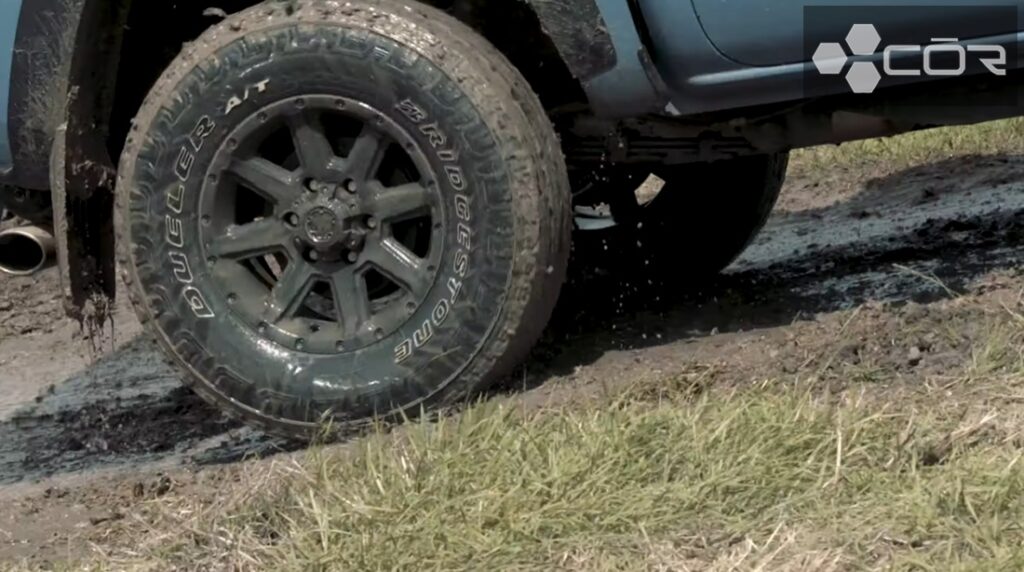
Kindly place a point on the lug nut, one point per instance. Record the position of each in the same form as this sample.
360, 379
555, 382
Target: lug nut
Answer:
371, 222
351, 186
314, 255
291, 219
353, 256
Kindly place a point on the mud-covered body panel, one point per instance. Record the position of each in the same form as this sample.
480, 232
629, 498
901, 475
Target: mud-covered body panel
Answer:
39, 85
579, 31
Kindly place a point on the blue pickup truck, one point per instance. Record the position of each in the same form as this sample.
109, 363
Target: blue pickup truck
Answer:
329, 210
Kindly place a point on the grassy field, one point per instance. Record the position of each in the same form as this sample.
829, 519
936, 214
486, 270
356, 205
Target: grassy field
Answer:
689, 472
838, 465
994, 138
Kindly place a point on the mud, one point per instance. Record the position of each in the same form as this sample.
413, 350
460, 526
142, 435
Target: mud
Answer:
82, 437
127, 409
912, 236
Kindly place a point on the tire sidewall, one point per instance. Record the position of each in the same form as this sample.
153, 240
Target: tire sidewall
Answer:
189, 311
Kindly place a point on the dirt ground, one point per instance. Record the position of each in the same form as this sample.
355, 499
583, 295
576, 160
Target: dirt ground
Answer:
86, 435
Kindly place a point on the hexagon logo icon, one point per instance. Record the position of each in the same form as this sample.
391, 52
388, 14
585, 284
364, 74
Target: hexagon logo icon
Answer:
863, 77
829, 58
863, 39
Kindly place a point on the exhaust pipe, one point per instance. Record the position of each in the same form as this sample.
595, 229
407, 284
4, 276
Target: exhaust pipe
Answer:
26, 250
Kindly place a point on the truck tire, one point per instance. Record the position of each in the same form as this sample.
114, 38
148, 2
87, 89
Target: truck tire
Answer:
697, 224
338, 212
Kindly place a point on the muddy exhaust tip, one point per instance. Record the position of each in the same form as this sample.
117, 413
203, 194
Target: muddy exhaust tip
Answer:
25, 250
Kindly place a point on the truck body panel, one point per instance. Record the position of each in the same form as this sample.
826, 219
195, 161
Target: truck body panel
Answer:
633, 58
700, 49
769, 33
9, 16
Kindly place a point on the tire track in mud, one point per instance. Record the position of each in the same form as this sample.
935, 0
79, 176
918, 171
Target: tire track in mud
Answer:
128, 412
128, 408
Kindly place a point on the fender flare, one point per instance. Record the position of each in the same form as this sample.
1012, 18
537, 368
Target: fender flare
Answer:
600, 42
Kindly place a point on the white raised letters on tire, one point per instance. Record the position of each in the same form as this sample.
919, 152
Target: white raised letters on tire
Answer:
453, 171
174, 229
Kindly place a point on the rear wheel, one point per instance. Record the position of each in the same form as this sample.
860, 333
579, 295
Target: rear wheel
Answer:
342, 214
687, 222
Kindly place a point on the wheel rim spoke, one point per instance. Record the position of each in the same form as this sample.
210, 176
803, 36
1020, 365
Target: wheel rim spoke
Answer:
364, 160
260, 237
294, 216
351, 300
269, 179
399, 264
311, 145
289, 292
391, 203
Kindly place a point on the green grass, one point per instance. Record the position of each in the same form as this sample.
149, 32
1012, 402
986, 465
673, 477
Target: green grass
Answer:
622, 487
685, 474
1004, 137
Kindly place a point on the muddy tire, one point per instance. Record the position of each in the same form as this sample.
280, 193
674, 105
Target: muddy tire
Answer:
699, 222
342, 212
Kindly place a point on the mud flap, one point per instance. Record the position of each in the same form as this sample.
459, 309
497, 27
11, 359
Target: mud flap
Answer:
602, 45
83, 209
82, 175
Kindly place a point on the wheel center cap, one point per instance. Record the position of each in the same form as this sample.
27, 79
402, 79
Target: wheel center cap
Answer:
321, 225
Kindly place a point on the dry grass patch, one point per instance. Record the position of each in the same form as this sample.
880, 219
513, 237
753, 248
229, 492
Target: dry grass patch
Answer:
916, 148
678, 476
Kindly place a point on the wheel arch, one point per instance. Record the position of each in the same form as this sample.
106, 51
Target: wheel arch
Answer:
555, 50
568, 50
108, 53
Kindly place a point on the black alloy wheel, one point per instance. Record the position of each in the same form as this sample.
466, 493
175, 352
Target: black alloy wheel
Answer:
321, 220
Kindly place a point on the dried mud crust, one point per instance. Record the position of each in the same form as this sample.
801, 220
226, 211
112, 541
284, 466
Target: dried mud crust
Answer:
33, 307
493, 91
